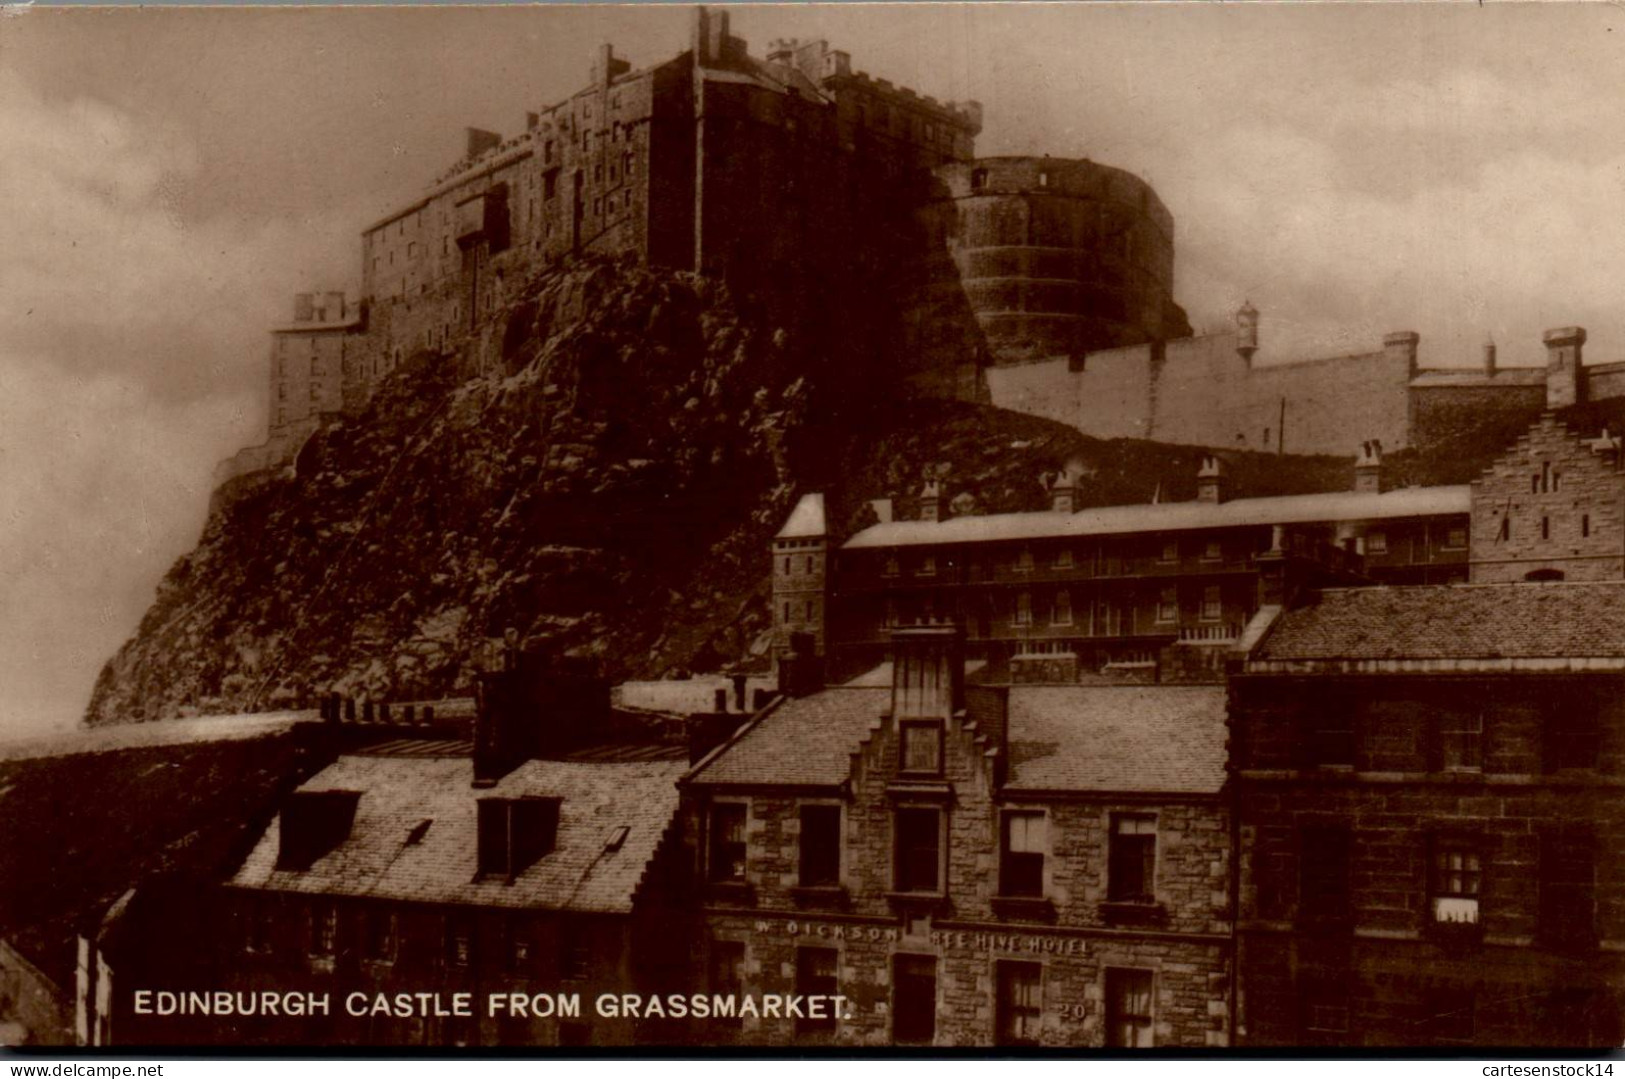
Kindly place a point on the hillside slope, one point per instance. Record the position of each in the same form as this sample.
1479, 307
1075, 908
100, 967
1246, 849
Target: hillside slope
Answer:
613, 489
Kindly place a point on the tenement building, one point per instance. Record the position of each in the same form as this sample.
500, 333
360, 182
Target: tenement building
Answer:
1156, 588
952, 865
1429, 790
434, 892
1428, 782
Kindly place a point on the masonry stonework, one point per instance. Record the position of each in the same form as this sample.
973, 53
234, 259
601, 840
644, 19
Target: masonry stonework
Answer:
1552, 507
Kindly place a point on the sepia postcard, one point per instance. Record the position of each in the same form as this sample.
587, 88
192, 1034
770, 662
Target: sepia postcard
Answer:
864, 529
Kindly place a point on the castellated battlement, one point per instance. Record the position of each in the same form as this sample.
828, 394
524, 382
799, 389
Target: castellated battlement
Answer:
1040, 284
1050, 257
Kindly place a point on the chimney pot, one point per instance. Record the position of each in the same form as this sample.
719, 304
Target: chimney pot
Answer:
931, 501
1211, 483
1368, 468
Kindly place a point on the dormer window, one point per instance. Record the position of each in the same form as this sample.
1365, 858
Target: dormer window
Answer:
514, 833
313, 824
920, 748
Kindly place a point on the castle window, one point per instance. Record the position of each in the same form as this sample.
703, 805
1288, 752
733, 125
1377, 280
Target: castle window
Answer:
597, 173
787, 613
1545, 528
787, 569
1506, 529
812, 611
550, 183
1043, 179
626, 164
978, 179
1585, 524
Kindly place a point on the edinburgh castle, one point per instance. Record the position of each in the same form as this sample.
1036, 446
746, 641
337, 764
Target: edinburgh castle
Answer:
823, 196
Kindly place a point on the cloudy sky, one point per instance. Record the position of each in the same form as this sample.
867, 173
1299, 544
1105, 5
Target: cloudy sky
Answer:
172, 177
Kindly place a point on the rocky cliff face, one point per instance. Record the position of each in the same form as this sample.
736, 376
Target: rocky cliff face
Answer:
612, 487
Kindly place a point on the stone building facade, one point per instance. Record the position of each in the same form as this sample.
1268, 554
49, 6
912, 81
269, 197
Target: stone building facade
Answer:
529, 871
1151, 589
1551, 508
970, 866
1430, 818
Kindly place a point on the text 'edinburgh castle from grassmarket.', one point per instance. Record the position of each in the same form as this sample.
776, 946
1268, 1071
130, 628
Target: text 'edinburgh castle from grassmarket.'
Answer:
1038, 284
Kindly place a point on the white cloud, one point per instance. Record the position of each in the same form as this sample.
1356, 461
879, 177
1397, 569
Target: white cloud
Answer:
133, 360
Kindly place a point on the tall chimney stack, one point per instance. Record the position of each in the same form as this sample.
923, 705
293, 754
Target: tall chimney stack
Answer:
1368, 468
1489, 356
931, 501
928, 672
1212, 485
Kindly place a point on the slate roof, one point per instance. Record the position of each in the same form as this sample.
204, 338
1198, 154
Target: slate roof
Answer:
805, 740
1151, 739
80, 827
806, 520
1508, 621
398, 793
1156, 739
1171, 517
